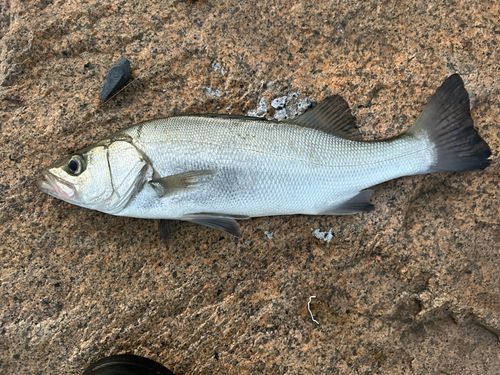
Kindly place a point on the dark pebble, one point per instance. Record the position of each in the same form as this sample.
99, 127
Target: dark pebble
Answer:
117, 76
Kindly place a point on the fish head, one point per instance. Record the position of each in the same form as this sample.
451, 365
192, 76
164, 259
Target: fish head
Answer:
101, 177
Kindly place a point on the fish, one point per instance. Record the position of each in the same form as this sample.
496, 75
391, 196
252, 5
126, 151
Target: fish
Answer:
213, 170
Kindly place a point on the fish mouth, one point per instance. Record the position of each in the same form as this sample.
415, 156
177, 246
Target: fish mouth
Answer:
56, 186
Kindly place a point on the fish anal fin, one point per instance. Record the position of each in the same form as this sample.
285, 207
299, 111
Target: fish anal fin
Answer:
332, 115
225, 223
358, 203
175, 184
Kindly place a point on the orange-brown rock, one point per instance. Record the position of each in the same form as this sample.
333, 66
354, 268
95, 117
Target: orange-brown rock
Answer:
410, 288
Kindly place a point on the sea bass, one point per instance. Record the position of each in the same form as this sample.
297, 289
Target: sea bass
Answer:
214, 169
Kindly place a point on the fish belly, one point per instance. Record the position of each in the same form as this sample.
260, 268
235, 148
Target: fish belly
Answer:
265, 168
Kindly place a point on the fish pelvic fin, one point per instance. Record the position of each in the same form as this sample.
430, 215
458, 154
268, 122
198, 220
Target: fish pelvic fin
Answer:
165, 227
447, 120
358, 203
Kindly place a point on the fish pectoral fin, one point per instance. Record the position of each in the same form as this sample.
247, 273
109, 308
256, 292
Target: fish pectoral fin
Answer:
175, 184
225, 223
358, 203
332, 115
165, 227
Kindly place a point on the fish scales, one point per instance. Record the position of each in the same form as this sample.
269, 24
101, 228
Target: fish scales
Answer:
266, 168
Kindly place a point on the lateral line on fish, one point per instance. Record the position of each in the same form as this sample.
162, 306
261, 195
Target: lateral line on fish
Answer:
302, 160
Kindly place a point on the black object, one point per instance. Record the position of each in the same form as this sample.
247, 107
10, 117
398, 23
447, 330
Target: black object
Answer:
117, 76
126, 364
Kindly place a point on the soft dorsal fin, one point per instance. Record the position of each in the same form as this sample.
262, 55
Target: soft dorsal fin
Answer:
332, 115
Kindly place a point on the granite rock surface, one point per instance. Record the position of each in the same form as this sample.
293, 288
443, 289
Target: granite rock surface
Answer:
409, 288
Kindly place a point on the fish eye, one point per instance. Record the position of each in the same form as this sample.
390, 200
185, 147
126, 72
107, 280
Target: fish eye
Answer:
76, 165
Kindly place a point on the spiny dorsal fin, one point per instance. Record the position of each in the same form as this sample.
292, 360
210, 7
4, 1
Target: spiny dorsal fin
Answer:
333, 116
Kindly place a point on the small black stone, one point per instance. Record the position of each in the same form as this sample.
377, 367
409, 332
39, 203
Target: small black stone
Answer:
117, 76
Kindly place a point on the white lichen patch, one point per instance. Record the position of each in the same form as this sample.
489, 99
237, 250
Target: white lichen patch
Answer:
213, 93
280, 114
285, 106
219, 67
290, 106
261, 109
269, 235
325, 236
280, 102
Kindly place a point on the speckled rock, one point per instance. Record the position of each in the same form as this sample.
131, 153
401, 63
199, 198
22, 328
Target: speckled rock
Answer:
409, 288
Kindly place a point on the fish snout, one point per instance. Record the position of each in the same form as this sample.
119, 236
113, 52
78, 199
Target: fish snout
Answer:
55, 186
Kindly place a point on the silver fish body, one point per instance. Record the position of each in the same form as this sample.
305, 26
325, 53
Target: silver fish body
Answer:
263, 168
211, 170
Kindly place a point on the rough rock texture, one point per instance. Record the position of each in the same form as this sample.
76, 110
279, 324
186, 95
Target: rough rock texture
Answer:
409, 288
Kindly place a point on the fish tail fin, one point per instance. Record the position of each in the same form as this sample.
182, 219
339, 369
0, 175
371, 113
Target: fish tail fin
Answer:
447, 121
